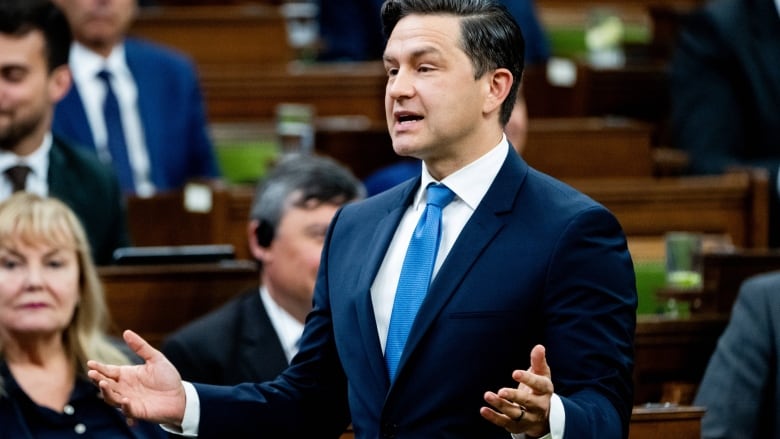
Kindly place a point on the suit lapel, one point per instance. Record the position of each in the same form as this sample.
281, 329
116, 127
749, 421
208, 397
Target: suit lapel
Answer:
477, 234
71, 117
261, 353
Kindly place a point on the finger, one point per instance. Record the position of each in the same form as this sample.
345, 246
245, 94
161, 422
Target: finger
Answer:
140, 346
105, 371
504, 402
109, 395
531, 384
539, 364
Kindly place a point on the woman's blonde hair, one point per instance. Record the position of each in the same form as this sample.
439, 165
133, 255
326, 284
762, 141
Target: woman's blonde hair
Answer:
33, 220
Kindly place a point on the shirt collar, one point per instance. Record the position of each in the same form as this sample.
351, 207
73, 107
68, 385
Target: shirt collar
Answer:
86, 64
38, 161
471, 182
287, 327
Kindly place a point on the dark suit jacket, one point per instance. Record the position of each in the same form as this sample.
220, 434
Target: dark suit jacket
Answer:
725, 87
92, 191
537, 262
741, 386
233, 344
172, 115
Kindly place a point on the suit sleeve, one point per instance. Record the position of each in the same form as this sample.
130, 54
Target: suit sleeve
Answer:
590, 320
735, 385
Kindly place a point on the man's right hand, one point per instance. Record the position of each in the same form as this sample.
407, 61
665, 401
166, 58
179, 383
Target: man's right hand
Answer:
152, 391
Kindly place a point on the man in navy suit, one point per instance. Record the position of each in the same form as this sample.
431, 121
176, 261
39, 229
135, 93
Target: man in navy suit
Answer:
162, 110
526, 265
253, 337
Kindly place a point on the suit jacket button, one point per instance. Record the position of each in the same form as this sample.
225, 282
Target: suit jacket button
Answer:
389, 430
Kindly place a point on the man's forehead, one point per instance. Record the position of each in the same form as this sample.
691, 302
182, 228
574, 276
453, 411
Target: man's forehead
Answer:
425, 33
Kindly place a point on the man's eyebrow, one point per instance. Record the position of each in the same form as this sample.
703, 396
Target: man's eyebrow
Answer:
417, 53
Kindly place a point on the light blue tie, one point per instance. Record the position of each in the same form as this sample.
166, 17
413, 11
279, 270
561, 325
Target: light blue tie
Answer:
117, 146
415, 274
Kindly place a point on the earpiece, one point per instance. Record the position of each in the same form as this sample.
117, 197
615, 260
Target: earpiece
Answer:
264, 233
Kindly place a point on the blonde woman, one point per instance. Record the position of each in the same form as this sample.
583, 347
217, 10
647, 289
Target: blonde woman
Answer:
53, 317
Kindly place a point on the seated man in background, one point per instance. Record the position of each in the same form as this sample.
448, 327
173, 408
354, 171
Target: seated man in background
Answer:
253, 337
725, 90
34, 75
741, 386
134, 103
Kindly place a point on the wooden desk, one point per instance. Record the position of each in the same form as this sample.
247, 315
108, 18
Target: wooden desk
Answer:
672, 351
589, 147
676, 422
724, 272
218, 34
735, 204
155, 300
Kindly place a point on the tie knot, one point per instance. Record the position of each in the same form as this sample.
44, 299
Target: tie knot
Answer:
440, 195
105, 75
18, 176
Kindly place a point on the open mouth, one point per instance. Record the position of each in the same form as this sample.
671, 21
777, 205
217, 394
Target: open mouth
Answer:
408, 118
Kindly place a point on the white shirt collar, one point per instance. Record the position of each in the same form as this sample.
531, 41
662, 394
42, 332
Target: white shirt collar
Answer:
38, 162
287, 327
471, 182
777, 6
86, 64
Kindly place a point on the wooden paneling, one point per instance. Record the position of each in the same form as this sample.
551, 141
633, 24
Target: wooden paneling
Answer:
251, 35
155, 300
735, 204
669, 350
675, 422
589, 147
242, 93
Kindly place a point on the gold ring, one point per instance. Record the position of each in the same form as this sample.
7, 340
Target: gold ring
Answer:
522, 414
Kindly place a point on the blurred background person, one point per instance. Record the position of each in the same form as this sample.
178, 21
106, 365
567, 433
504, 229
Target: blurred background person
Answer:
136, 104
741, 386
725, 90
53, 317
254, 336
34, 75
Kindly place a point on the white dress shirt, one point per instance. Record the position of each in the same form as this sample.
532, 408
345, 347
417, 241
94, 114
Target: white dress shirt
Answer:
287, 327
470, 184
38, 161
85, 66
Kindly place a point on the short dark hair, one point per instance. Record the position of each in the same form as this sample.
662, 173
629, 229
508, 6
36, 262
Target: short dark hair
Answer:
300, 180
490, 36
20, 17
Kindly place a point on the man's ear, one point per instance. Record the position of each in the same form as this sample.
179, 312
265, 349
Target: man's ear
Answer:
498, 84
259, 236
60, 81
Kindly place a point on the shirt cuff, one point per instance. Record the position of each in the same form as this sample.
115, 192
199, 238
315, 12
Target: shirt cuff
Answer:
557, 420
191, 420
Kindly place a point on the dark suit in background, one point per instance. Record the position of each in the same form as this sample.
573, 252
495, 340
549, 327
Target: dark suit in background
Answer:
92, 191
172, 114
741, 386
537, 262
235, 344
725, 89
